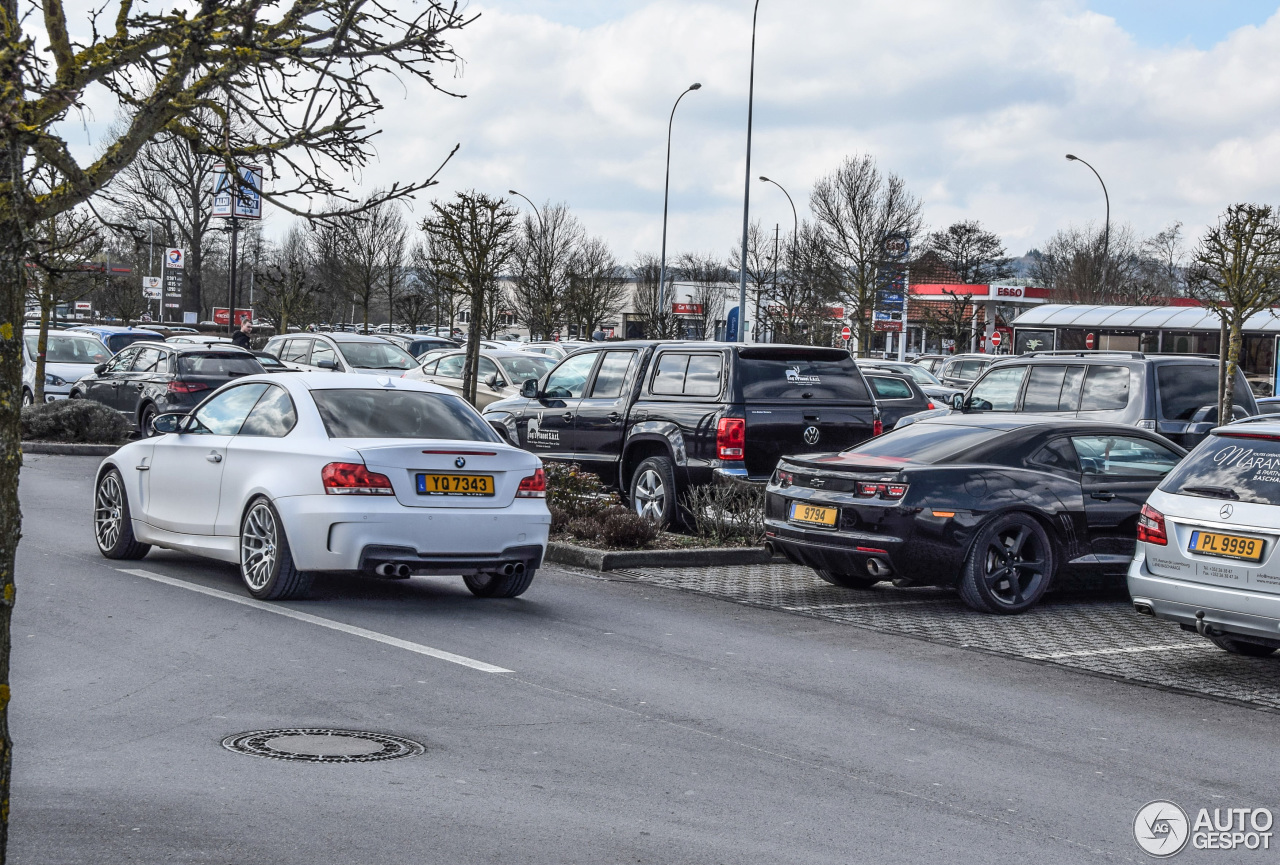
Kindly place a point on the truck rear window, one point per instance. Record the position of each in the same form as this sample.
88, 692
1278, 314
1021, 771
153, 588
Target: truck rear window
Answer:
1231, 468
823, 375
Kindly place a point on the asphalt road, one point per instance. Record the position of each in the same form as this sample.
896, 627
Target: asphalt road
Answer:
638, 724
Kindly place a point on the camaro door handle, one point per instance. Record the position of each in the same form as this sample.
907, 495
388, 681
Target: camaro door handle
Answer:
1103, 496
567, 416
214, 457
614, 417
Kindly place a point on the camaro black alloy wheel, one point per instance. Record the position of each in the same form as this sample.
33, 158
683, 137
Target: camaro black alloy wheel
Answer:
1009, 567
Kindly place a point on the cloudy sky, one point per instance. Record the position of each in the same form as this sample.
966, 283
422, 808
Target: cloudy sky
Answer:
974, 103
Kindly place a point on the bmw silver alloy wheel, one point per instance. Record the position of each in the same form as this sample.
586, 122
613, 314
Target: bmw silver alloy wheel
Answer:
650, 496
259, 541
108, 512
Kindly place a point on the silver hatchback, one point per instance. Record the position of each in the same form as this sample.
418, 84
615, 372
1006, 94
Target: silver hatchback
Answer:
1208, 552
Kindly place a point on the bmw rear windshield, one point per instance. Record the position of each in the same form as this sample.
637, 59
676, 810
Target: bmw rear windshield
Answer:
399, 414
1237, 467
769, 374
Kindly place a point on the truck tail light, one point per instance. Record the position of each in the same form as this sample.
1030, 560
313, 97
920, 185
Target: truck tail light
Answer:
353, 479
731, 438
185, 387
1151, 527
534, 486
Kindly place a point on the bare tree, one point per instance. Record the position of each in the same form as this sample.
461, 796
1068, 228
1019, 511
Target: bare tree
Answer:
763, 252
371, 246
856, 208
970, 252
548, 242
950, 318
1162, 262
808, 286
656, 318
63, 244
286, 283
1083, 265
710, 278
439, 292
473, 239
597, 286
1235, 274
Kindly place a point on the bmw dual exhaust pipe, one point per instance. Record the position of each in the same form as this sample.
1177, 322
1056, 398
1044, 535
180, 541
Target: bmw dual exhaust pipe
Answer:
393, 571
517, 569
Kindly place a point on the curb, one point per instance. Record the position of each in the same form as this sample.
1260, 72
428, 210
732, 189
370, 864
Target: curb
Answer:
604, 560
69, 449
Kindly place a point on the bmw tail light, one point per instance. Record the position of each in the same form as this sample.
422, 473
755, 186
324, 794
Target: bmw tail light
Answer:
731, 438
534, 486
185, 387
877, 427
353, 479
1151, 527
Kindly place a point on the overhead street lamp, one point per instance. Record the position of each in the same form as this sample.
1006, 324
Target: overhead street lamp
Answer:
1106, 232
666, 194
536, 211
746, 193
795, 219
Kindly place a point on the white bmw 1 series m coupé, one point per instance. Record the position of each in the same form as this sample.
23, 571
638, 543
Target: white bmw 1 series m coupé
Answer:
292, 475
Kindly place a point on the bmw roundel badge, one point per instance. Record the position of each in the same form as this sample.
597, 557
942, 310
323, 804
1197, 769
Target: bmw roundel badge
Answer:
460, 462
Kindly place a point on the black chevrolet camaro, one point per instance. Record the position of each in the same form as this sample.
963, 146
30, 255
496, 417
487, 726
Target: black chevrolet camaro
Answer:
1000, 508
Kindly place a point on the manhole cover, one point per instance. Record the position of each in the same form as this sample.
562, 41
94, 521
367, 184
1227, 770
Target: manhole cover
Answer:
322, 746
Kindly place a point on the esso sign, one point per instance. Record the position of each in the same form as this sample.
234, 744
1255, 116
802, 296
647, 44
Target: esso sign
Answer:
996, 339
1007, 291
1088, 341
846, 334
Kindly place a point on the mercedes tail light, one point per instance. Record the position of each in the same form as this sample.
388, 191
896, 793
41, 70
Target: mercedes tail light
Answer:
731, 438
1151, 527
185, 387
534, 486
353, 479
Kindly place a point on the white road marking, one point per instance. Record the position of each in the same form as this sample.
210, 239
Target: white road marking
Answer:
354, 631
1125, 651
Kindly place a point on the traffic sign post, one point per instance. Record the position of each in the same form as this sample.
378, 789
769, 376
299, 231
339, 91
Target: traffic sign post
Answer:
846, 334
995, 339
1088, 341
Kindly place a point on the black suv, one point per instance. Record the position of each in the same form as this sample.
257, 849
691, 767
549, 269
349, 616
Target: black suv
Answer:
148, 379
1174, 395
653, 418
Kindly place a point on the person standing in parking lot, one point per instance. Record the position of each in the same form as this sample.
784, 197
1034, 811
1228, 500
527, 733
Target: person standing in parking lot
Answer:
241, 336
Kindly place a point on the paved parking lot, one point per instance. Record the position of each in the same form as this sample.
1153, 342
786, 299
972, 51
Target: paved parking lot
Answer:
1100, 634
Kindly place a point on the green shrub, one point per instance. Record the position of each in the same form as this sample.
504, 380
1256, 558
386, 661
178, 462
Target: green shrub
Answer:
727, 511
74, 420
573, 493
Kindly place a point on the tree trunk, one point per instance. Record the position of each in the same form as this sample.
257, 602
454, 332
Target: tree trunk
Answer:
47, 306
1236, 340
471, 369
12, 296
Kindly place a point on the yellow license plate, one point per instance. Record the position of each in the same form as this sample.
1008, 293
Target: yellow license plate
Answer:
1227, 546
455, 485
802, 513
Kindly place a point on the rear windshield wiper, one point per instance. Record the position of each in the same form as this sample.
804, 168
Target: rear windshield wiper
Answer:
1212, 492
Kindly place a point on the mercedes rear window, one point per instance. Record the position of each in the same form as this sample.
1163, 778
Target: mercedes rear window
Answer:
924, 442
1231, 468
818, 374
399, 414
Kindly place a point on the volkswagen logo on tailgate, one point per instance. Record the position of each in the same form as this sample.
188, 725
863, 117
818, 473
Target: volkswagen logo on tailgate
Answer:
811, 435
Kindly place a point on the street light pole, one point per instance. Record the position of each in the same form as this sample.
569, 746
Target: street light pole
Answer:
1106, 232
746, 194
543, 229
666, 195
794, 218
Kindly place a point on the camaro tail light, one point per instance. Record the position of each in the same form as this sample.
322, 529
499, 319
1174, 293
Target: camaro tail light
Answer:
785, 479
731, 438
870, 490
1151, 527
877, 427
534, 486
353, 479
186, 387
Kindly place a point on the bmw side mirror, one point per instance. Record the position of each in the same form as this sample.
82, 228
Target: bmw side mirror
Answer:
529, 390
167, 423
100, 369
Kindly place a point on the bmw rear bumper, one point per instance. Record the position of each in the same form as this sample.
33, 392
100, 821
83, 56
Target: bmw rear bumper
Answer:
1200, 606
352, 533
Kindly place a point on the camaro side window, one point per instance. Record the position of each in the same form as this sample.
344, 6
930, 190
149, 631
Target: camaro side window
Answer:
1123, 456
